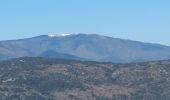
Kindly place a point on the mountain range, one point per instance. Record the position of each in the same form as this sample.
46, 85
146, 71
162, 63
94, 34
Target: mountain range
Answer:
80, 46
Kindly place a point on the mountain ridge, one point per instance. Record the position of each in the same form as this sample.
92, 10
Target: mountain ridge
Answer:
72, 34
86, 46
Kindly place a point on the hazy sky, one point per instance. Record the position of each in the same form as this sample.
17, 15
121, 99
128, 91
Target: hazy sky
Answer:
142, 20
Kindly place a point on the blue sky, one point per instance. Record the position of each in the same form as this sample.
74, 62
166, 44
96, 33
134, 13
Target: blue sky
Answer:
142, 20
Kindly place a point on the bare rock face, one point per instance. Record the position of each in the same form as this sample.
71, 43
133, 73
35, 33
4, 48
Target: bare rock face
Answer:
53, 79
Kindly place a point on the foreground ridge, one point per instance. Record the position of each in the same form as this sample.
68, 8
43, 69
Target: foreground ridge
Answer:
39, 78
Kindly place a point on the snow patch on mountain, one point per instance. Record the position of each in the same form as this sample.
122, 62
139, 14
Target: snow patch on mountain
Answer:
62, 34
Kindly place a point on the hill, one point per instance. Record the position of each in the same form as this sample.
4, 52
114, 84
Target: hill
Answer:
35, 78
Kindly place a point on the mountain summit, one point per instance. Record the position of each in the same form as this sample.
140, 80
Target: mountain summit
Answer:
62, 34
84, 47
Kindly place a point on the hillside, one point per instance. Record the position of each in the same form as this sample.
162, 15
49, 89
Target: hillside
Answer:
38, 78
92, 47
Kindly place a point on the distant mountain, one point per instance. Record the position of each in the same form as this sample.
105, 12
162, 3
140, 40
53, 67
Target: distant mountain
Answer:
84, 46
54, 54
3, 57
50, 79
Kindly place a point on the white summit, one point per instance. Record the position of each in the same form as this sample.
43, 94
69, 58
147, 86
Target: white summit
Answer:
61, 34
